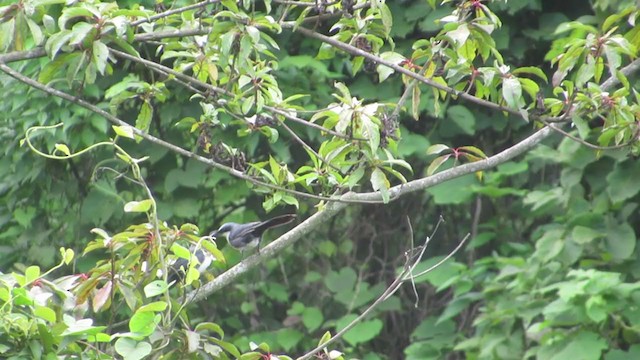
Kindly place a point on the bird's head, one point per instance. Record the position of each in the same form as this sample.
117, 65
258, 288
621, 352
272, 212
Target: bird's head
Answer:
223, 230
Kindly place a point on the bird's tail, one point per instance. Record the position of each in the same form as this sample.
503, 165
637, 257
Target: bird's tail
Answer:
277, 221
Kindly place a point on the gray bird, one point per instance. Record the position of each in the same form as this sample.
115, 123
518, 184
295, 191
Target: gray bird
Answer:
178, 269
248, 236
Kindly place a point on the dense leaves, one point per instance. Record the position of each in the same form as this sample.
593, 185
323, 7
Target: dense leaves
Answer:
203, 113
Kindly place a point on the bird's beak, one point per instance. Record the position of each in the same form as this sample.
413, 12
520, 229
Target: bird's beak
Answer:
214, 235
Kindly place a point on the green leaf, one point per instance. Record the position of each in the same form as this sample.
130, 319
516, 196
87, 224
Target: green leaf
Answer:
435, 164
31, 273
45, 313
80, 326
212, 327
73, 12
63, 148
354, 178
138, 206
597, 308
512, 92
620, 241
36, 32
395, 173
531, 70
124, 131
459, 35
586, 72
462, 117
155, 306
623, 181
181, 251
584, 235
362, 332
67, 255
474, 150
326, 337
231, 5
144, 116
585, 345
530, 86
288, 338
144, 323
455, 307
83, 34
56, 42
155, 288
100, 56
436, 149
24, 216
385, 71
428, 329
342, 281
312, 318
455, 191
550, 245
132, 350
372, 133
386, 17
379, 182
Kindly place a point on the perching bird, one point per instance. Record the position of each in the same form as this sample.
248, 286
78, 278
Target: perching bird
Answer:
248, 236
178, 269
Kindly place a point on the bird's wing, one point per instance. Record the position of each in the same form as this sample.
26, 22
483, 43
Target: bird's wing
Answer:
243, 230
275, 221
255, 229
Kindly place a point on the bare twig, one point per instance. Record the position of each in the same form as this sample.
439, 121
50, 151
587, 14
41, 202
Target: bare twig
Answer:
410, 264
174, 11
555, 128
406, 93
306, 146
436, 265
295, 3
321, 17
160, 35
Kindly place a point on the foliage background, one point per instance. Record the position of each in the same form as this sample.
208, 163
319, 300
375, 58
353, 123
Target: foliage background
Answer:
551, 271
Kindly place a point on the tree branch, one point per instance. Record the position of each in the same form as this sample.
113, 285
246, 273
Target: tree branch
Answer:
174, 11
358, 52
302, 230
49, 90
267, 252
221, 91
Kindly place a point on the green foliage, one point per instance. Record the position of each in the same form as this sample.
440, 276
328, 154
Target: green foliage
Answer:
226, 109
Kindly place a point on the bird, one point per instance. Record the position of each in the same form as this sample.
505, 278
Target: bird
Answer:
178, 269
248, 236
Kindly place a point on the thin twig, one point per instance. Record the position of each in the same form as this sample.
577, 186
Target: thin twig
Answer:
321, 17
391, 289
555, 128
174, 11
306, 146
405, 94
435, 266
161, 35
